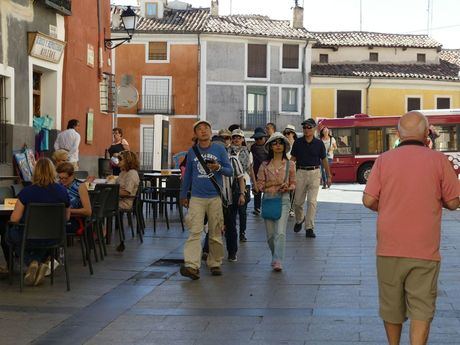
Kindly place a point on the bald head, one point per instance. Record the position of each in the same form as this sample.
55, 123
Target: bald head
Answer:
413, 126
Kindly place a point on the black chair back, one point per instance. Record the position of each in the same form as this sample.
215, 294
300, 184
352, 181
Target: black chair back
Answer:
81, 174
111, 204
45, 222
5, 192
98, 202
16, 189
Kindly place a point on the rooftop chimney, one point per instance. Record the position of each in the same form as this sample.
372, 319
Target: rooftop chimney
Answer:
297, 16
214, 8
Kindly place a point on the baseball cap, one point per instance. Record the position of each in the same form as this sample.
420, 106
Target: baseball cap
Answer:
224, 133
196, 124
237, 132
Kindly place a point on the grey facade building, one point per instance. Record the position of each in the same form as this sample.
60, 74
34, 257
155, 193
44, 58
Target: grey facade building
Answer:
30, 71
254, 70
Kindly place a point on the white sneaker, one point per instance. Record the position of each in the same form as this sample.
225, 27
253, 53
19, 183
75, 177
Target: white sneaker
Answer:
291, 214
48, 270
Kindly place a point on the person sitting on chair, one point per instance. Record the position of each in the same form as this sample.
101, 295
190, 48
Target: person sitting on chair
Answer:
43, 189
80, 205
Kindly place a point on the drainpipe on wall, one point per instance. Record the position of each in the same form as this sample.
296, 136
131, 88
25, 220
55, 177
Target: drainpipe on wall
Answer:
367, 95
99, 41
304, 78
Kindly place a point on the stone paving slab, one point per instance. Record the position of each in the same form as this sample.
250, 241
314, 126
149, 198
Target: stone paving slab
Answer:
327, 293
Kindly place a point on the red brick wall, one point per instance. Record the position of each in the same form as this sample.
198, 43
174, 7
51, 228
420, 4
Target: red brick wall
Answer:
81, 82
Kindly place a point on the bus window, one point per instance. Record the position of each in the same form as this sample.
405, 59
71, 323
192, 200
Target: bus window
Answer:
369, 141
391, 136
344, 141
447, 140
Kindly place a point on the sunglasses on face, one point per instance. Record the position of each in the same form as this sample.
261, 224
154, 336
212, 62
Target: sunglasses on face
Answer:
237, 138
277, 142
307, 127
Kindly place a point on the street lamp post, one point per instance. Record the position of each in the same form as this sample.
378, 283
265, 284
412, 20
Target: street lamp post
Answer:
128, 19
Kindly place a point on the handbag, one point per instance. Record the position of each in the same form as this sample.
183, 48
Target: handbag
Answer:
271, 203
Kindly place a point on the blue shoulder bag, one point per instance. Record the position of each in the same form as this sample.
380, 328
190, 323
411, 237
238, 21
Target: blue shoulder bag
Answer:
271, 203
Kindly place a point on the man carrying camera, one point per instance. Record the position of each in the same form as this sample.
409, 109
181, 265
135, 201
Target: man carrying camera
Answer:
205, 199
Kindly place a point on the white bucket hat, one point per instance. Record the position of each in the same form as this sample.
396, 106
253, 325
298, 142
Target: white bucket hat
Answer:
276, 136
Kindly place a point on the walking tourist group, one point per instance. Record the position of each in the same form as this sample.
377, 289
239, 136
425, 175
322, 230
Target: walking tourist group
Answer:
408, 187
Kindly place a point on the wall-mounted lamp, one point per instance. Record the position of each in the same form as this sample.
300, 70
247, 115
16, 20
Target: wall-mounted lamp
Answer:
128, 18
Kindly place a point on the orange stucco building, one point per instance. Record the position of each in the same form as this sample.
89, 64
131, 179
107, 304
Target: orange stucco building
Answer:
86, 77
182, 73
162, 62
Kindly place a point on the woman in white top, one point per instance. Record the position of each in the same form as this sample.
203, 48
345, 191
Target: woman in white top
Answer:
330, 145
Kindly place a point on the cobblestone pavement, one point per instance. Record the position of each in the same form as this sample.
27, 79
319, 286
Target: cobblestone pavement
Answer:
325, 295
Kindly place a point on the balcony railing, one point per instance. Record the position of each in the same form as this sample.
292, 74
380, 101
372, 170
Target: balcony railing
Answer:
249, 120
63, 6
156, 104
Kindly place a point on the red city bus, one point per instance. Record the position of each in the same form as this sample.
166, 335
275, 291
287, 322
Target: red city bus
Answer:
361, 138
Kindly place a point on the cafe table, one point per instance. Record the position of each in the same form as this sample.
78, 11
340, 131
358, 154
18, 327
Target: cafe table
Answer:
6, 210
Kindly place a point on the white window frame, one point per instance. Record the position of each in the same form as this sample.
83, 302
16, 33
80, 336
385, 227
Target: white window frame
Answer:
319, 58
146, 4
299, 68
8, 73
413, 96
144, 77
280, 99
168, 50
442, 96
246, 61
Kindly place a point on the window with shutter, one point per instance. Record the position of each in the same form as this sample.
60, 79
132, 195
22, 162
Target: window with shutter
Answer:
348, 102
289, 100
156, 95
257, 61
413, 103
108, 93
421, 58
290, 56
158, 51
151, 10
374, 57
324, 58
443, 103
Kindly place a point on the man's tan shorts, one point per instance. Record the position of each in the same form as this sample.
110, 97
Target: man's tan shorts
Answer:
407, 288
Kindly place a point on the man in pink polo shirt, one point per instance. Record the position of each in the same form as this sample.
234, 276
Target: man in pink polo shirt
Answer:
408, 187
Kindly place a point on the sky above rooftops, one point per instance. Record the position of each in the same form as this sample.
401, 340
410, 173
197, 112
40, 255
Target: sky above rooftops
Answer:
390, 16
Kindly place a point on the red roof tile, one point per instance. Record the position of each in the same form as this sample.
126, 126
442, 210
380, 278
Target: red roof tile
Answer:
443, 71
374, 39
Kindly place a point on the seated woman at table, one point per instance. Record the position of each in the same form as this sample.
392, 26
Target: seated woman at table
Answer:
60, 156
43, 189
80, 205
128, 179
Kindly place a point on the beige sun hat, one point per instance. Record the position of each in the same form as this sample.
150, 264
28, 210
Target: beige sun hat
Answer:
276, 136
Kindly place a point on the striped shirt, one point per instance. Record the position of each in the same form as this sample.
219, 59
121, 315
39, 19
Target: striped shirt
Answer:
230, 180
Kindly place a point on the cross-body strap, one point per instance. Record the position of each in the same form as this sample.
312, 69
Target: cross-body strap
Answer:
209, 174
287, 171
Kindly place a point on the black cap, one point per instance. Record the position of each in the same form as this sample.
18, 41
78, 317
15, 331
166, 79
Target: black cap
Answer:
231, 128
259, 132
309, 122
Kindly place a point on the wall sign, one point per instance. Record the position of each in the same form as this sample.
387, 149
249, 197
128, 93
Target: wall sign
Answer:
45, 47
89, 126
90, 56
